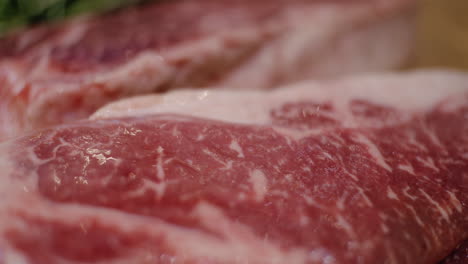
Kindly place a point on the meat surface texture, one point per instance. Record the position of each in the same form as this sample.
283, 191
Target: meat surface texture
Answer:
362, 170
459, 256
54, 74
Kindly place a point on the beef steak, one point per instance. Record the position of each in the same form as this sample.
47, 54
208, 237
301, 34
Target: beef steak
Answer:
322, 172
58, 73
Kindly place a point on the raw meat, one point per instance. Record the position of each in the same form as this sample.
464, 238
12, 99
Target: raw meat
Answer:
459, 256
55, 74
364, 170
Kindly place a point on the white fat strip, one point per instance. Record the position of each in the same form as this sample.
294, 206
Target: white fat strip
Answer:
228, 165
340, 204
412, 141
383, 216
429, 163
36, 160
373, 151
224, 105
326, 155
217, 159
259, 184
241, 196
407, 236
354, 177
384, 228
439, 208
13, 255
175, 132
399, 213
159, 165
237, 148
200, 137
391, 258
280, 193
365, 198
345, 225
433, 137
391, 194
465, 156
148, 185
415, 214
455, 202
239, 238
138, 68
407, 194
407, 167
304, 220
74, 33
57, 180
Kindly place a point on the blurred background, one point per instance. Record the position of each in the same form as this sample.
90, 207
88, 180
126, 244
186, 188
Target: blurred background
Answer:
18, 13
442, 24
443, 34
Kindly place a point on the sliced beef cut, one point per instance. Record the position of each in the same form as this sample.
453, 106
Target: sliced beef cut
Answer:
55, 74
342, 171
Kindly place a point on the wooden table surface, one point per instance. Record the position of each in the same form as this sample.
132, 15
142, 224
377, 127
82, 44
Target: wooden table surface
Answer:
442, 34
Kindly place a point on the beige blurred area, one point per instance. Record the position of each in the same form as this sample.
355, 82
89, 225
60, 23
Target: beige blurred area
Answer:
443, 34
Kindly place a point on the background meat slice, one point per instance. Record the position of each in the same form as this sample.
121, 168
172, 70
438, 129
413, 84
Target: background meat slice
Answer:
55, 74
322, 172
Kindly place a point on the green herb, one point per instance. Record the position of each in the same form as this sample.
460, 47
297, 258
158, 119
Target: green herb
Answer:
19, 13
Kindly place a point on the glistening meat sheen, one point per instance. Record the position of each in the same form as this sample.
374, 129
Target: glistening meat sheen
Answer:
342, 171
